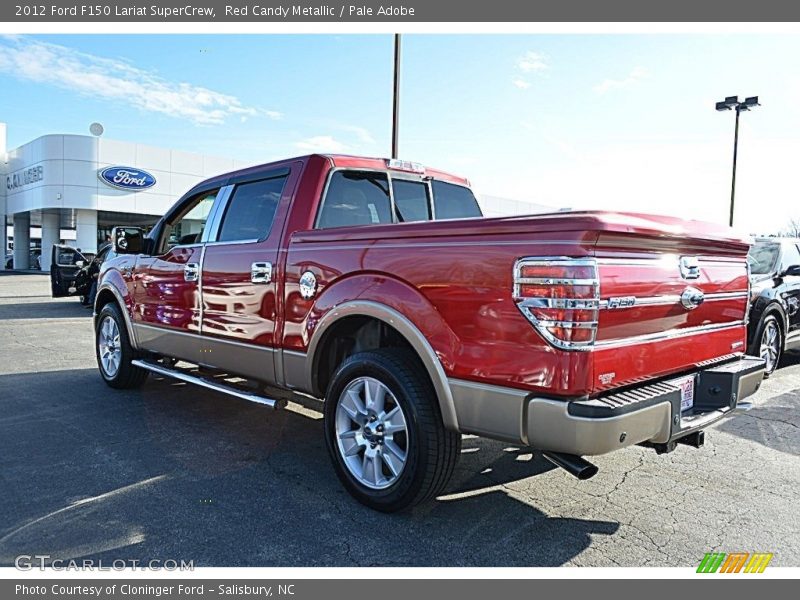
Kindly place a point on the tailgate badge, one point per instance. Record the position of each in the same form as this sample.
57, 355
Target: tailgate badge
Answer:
691, 298
690, 267
621, 302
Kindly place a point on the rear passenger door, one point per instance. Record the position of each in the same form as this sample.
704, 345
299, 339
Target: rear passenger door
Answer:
241, 277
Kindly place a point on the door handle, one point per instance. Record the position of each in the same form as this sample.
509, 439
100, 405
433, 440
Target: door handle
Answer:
191, 272
261, 272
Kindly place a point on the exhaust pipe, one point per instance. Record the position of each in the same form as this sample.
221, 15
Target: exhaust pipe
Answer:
574, 465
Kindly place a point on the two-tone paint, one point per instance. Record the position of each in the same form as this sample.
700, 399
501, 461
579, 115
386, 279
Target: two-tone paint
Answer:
451, 281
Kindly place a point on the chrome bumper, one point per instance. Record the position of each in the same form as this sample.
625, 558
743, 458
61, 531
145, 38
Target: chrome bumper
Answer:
646, 414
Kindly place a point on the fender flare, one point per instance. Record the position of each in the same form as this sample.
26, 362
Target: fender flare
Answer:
108, 287
408, 330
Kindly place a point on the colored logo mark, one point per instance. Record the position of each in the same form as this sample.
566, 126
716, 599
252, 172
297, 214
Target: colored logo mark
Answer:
736, 562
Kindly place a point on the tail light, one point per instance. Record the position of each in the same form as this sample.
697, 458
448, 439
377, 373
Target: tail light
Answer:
561, 297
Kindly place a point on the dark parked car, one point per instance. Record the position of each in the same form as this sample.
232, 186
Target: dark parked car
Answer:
774, 300
73, 271
34, 261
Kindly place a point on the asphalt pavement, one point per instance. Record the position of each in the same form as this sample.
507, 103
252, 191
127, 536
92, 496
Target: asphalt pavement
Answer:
175, 472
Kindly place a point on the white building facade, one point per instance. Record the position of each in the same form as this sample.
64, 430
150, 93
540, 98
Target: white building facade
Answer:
55, 186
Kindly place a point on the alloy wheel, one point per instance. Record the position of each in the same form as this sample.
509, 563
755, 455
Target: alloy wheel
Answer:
371, 433
109, 345
770, 345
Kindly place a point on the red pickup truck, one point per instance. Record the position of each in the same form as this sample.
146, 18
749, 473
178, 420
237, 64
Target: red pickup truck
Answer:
376, 286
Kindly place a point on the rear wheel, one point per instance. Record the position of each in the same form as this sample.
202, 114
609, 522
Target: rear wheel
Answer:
768, 343
114, 351
384, 431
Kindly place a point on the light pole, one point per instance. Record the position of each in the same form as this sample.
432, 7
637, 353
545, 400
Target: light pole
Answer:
396, 96
732, 103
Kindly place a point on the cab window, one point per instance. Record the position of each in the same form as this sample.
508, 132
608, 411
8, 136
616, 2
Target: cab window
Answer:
356, 198
186, 228
251, 209
791, 256
454, 201
411, 202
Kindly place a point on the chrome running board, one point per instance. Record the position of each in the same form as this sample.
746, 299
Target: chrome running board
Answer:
182, 375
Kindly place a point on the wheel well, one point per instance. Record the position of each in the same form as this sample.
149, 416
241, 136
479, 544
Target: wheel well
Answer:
103, 297
774, 309
349, 336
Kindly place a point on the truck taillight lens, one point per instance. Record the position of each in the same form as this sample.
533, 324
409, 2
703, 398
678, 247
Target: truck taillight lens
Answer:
561, 297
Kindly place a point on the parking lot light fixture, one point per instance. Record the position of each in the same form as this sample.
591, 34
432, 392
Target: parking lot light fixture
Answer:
733, 103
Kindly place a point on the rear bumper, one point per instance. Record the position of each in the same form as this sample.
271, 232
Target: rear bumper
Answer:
649, 413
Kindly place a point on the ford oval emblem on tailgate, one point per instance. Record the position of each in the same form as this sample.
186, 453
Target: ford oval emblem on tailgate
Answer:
127, 178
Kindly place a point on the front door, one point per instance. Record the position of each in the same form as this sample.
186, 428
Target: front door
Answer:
166, 285
68, 272
240, 275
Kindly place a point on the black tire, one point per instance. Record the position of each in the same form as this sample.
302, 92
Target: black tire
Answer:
431, 450
127, 375
768, 322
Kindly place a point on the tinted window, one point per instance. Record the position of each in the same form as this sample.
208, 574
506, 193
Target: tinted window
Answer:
454, 201
251, 210
763, 257
356, 198
186, 228
411, 200
791, 256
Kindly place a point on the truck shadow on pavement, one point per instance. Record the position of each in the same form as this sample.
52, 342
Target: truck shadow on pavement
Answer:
54, 309
175, 472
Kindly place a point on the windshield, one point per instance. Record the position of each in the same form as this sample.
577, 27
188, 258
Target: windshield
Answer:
763, 257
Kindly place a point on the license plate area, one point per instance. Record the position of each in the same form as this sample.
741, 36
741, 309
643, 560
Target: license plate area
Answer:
687, 386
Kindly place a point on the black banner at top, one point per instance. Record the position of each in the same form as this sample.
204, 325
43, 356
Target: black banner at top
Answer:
439, 11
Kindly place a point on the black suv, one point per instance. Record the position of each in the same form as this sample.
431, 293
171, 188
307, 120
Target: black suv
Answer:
774, 299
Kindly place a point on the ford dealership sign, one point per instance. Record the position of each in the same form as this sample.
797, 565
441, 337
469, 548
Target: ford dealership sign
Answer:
127, 178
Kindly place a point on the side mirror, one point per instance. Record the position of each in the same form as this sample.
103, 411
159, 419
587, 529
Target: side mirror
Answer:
127, 240
793, 271
79, 263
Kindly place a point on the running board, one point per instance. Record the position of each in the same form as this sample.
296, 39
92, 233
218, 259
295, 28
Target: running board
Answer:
206, 383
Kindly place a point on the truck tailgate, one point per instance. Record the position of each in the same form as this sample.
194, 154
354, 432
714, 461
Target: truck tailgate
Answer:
667, 306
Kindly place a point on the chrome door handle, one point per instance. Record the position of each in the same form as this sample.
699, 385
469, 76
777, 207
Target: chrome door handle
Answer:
261, 272
191, 272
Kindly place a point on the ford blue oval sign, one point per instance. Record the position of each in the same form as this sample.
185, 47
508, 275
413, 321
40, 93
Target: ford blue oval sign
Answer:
127, 178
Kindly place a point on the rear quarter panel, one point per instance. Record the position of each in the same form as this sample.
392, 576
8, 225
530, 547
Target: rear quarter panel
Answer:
456, 291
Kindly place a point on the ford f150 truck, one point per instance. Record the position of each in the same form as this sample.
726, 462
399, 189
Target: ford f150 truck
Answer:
376, 286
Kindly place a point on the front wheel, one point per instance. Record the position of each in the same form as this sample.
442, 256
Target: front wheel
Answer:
384, 431
114, 351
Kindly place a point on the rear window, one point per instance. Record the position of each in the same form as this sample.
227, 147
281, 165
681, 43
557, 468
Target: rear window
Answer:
454, 201
763, 257
356, 198
411, 200
363, 198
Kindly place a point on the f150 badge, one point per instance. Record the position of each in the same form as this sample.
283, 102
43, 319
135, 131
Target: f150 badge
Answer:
621, 302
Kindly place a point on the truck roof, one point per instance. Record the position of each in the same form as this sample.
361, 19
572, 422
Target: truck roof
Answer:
336, 161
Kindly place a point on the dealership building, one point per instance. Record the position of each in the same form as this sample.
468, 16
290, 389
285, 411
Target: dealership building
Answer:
74, 188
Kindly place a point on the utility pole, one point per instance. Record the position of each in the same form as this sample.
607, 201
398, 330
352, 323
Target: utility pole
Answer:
396, 97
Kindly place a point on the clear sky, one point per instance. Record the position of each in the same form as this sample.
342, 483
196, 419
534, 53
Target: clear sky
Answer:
585, 121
